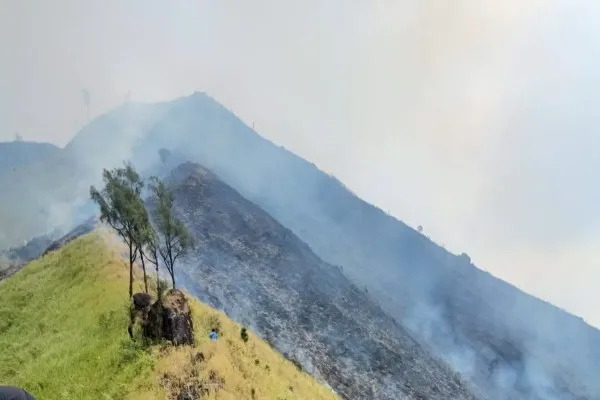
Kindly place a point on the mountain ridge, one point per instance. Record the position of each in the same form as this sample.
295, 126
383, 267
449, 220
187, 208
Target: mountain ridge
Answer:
302, 305
476, 321
347, 231
18, 153
320, 337
63, 324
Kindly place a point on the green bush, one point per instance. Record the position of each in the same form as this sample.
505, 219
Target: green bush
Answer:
244, 334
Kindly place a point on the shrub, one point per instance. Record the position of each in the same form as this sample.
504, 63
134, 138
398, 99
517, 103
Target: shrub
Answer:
244, 334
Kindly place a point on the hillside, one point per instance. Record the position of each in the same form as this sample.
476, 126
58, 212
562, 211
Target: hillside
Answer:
63, 322
24, 185
40, 197
49, 192
261, 274
480, 324
14, 155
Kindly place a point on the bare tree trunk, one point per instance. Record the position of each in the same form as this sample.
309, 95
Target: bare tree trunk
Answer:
159, 290
172, 271
131, 314
158, 286
144, 269
131, 260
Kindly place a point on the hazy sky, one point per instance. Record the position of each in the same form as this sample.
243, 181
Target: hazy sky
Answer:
477, 119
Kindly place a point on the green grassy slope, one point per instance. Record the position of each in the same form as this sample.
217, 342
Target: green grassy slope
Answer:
63, 335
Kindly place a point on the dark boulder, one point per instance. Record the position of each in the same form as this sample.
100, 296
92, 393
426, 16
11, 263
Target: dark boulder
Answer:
141, 301
177, 318
170, 319
153, 324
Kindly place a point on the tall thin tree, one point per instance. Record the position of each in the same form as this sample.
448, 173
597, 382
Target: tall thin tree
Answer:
141, 225
151, 254
174, 239
140, 241
121, 207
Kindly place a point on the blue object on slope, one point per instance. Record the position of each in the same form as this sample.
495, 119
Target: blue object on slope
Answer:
14, 393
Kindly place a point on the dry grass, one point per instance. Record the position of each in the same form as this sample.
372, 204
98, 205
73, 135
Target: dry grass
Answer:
229, 368
63, 335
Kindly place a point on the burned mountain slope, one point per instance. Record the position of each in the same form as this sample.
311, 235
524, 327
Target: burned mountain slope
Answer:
262, 275
511, 344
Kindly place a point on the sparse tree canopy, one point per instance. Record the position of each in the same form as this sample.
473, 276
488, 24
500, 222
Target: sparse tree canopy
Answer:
173, 238
122, 208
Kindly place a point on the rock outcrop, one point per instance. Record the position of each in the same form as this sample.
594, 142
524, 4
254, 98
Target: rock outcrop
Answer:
168, 319
141, 301
177, 319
